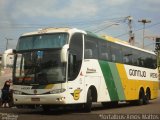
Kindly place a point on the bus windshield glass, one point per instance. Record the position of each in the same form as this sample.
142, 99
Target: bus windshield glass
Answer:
40, 41
39, 67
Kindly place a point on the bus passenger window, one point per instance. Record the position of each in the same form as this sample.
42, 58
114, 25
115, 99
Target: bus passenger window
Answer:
91, 47
137, 63
113, 58
88, 53
104, 56
125, 60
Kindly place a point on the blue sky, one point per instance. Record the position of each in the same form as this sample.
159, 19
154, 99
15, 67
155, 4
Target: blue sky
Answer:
21, 16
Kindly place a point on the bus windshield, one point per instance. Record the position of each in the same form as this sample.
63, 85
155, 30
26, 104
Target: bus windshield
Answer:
40, 41
39, 67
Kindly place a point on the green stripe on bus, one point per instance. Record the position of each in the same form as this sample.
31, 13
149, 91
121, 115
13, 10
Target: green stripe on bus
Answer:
109, 80
117, 81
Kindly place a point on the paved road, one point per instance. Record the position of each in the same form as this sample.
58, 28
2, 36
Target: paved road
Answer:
149, 111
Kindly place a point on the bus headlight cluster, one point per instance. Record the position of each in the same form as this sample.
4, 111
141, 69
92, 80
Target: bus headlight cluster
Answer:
17, 92
56, 91
60, 99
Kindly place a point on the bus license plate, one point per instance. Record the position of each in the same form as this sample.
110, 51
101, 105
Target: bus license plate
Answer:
35, 99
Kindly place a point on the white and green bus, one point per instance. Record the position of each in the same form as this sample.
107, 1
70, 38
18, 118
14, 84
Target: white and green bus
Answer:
68, 66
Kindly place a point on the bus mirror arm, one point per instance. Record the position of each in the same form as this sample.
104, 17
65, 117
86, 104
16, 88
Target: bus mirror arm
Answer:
64, 53
14, 51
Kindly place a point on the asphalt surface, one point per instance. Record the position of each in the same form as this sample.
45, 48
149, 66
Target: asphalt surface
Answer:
122, 111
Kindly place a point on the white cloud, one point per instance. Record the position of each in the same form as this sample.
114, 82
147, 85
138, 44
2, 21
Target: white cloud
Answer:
33, 8
79, 8
145, 6
16, 9
53, 8
114, 3
71, 8
2, 3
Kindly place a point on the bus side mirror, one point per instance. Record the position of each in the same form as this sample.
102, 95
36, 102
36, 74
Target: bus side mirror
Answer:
64, 53
14, 51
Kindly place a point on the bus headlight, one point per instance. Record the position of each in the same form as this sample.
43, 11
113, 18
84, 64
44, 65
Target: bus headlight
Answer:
17, 92
56, 91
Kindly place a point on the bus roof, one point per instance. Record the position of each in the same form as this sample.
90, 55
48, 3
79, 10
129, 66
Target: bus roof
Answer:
72, 30
124, 43
118, 41
53, 30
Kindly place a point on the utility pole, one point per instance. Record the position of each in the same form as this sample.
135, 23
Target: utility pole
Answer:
7, 42
144, 21
131, 34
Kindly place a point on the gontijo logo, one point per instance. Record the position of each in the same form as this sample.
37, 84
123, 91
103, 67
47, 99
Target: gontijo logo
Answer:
139, 73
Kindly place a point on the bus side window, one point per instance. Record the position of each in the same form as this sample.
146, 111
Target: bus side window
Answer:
127, 55
137, 63
88, 53
91, 47
154, 62
116, 52
113, 58
104, 56
104, 50
125, 60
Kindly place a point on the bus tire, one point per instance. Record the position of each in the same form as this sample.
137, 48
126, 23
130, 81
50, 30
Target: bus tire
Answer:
141, 99
88, 105
147, 97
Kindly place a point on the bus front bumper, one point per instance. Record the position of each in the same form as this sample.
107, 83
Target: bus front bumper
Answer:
39, 99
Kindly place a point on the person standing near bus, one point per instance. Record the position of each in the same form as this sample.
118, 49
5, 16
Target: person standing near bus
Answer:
6, 93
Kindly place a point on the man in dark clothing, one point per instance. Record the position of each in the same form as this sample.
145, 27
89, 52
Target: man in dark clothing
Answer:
5, 94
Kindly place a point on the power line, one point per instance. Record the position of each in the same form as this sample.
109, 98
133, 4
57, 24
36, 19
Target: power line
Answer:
79, 22
105, 27
149, 26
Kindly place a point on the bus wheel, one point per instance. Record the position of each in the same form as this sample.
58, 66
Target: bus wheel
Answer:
141, 98
88, 105
147, 97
